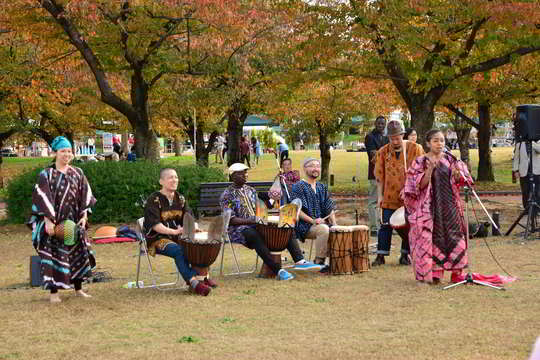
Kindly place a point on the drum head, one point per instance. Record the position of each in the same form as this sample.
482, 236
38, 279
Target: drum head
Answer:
397, 220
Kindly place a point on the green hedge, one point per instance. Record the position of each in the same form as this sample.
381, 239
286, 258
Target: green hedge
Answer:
117, 187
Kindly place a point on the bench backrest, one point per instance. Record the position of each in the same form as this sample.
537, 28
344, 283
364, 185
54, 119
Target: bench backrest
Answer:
210, 193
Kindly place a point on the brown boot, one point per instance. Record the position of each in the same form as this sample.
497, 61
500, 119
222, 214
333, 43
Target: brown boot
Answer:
379, 260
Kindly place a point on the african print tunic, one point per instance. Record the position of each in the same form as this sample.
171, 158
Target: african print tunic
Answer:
316, 204
158, 209
437, 233
242, 203
390, 172
61, 197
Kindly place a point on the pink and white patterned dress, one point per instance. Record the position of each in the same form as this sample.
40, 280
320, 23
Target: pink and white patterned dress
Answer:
435, 214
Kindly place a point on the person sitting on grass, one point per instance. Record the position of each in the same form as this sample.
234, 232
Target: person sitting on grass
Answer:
240, 199
163, 224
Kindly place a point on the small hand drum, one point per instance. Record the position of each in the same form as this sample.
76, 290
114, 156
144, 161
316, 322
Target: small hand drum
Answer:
397, 220
67, 232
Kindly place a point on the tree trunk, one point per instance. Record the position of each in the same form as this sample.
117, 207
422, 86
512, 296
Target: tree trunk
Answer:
146, 144
125, 143
422, 117
463, 143
177, 146
236, 115
485, 166
324, 149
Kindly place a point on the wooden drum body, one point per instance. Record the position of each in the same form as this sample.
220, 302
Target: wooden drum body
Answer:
201, 253
276, 240
360, 248
340, 245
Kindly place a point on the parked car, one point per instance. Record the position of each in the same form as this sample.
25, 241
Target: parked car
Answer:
8, 153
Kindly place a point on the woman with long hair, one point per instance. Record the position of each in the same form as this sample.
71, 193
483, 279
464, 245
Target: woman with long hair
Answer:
431, 197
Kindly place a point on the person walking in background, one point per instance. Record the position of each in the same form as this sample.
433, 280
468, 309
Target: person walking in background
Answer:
256, 149
244, 150
220, 144
374, 141
282, 151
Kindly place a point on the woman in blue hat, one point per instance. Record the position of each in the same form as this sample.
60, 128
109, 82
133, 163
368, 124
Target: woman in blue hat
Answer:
62, 193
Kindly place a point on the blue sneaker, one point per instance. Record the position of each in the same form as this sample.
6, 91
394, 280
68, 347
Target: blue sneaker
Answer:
284, 275
307, 266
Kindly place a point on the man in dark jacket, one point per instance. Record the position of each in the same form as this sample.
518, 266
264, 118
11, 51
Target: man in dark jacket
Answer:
374, 141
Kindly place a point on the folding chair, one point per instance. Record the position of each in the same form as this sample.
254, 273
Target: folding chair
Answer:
143, 252
226, 219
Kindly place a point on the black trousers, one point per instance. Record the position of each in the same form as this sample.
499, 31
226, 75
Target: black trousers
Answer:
255, 241
245, 157
526, 188
283, 155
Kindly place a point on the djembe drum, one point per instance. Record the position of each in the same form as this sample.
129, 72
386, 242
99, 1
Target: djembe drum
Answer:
360, 248
340, 246
398, 219
201, 252
276, 240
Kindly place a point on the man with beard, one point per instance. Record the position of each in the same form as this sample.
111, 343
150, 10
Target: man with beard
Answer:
374, 141
391, 165
241, 199
316, 206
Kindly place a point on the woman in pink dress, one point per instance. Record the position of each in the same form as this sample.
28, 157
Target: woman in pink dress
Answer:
435, 214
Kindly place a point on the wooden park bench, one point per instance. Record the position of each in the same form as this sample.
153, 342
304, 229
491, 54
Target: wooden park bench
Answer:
210, 193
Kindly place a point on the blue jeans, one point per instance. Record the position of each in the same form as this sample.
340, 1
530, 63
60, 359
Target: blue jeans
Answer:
385, 235
176, 252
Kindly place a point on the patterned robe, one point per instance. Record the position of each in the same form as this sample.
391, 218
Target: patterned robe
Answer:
59, 197
242, 202
437, 233
316, 204
159, 210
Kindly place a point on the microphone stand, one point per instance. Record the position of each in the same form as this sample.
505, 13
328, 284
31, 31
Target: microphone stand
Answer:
469, 278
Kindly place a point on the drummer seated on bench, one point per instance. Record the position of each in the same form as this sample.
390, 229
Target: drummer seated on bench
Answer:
241, 200
317, 210
163, 221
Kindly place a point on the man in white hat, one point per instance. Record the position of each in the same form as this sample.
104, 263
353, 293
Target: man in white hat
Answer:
241, 199
391, 165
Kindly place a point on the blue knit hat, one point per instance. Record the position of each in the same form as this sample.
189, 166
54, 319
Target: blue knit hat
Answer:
60, 143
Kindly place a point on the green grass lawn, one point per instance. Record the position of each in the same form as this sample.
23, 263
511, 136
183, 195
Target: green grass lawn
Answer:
380, 314
345, 165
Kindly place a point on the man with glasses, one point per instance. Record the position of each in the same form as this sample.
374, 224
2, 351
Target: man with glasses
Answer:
316, 207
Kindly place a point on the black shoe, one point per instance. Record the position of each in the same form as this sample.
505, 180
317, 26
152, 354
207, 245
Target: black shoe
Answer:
404, 260
325, 269
373, 233
379, 260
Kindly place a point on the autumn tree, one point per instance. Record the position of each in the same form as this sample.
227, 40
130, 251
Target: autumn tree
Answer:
493, 93
423, 47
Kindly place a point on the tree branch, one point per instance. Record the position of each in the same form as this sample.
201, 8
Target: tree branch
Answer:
462, 116
472, 37
496, 62
107, 94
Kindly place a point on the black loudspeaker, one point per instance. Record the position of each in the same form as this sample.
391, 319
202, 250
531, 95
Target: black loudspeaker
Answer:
528, 122
35, 271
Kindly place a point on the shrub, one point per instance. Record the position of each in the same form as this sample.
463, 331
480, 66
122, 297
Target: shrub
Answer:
117, 186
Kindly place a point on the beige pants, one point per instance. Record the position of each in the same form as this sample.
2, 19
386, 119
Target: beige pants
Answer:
319, 234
